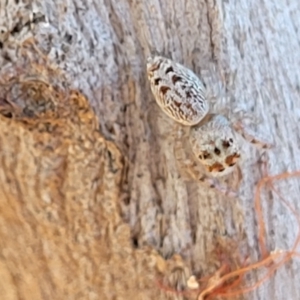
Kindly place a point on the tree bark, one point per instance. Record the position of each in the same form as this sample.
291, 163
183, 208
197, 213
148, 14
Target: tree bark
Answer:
99, 214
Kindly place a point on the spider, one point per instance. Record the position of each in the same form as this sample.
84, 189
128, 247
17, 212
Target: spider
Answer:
213, 139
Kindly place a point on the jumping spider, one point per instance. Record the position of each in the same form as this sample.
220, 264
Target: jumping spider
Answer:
213, 139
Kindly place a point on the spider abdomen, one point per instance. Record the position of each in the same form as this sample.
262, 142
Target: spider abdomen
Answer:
177, 90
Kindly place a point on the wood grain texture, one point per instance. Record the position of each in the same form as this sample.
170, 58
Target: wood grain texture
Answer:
102, 46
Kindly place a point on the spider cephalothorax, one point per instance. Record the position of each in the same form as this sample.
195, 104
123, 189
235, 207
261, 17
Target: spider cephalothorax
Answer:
214, 145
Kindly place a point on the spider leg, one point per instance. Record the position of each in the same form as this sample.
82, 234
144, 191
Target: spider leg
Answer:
251, 136
8, 108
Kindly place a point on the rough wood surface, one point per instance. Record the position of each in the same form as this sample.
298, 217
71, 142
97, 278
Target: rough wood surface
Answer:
78, 207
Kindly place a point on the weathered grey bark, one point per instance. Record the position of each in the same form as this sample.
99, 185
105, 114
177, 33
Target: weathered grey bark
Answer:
76, 245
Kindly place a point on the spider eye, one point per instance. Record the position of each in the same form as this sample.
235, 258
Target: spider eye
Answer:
157, 80
176, 78
217, 151
226, 144
232, 164
204, 155
169, 69
231, 140
221, 170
